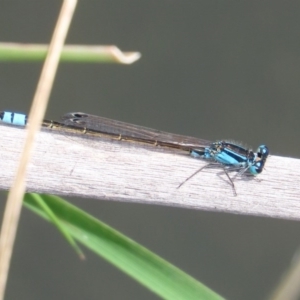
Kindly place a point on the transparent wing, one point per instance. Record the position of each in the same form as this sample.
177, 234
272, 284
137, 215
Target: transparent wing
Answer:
126, 130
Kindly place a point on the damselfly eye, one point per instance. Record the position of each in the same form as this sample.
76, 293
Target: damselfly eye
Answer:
263, 151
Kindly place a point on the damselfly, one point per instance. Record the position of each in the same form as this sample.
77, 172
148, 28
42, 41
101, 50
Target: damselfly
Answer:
228, 155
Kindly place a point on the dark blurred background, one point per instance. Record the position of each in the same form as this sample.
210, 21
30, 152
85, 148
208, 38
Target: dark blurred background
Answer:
211, 69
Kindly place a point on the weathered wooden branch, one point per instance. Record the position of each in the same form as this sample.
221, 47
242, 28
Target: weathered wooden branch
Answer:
101, 168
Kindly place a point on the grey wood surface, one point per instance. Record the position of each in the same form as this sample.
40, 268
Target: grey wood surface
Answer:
104, 169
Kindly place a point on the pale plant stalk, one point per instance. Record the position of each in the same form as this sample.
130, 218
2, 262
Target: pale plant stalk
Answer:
15, 197
288, 287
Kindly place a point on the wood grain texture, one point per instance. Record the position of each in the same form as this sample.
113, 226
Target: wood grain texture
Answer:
70, 165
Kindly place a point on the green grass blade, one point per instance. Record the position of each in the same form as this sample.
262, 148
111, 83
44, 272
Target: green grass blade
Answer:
52, 217
70, 53
155, 273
